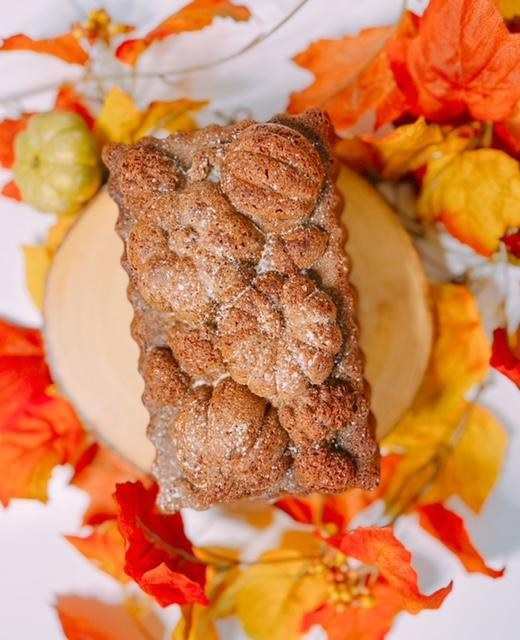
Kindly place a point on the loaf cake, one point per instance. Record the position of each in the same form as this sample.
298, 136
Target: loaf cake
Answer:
244, 314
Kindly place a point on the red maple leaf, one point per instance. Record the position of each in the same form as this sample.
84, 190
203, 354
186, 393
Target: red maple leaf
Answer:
159, 556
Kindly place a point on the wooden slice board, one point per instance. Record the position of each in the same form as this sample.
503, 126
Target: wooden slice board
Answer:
94, 359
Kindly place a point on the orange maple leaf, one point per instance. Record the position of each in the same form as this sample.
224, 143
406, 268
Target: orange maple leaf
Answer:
449, 528
504, 357
97, 472
105, 547
68, 99
338, 510
353, 77
392, 587
193, 17
37, 430
65, 47
91, 619
462, 61
9, 129
159, 556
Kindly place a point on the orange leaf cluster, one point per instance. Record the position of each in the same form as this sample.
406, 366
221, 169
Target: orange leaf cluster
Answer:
38, 429
159, 556
194, 16
458, 60
66, 47
393, 589
463, 61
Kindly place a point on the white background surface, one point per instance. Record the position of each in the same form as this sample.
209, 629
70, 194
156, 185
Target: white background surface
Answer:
35, 563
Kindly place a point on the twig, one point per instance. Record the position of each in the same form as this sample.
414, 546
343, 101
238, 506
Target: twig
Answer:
166, 75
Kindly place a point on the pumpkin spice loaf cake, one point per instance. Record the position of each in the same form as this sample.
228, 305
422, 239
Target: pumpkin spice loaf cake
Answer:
244, 314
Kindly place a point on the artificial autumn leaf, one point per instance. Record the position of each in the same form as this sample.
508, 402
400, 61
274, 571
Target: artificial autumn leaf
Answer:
476, 195
506, 357
462, 61
507, 133
509, 9
159, 556
382, 587
460, 353
65, 47
91, 619
272, 595
352, 78
68, 99
11, 190
9, 129
358, 154
37, 430
512, 243
104, 547
195, 624
121, 121
193, 17
449, 528
97, 472
480, 448
442, 435
412, 146
198, 621
99, 27
38, 259
333, 513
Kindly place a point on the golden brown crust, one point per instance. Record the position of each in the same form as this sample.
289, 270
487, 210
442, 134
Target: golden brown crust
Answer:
243, 312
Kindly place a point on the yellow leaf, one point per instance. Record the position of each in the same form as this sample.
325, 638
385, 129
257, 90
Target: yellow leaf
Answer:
38, 259
509, 8
414, 145
476, 195
451, 447
272, 596
399, 148
121, 121
173, 115
118, 118
461, 350
472, 468
195, 624
198, 621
